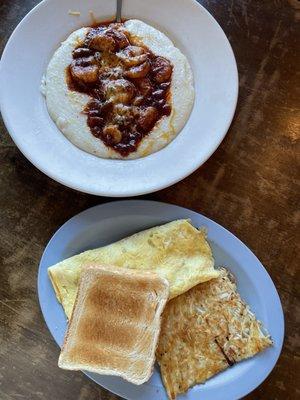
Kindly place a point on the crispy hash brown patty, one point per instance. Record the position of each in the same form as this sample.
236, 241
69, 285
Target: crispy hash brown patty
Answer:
204, 331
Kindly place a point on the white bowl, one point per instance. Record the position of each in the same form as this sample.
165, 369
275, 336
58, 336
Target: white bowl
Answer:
24, 62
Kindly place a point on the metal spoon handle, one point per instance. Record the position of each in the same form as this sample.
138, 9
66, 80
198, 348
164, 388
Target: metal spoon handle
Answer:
119, 11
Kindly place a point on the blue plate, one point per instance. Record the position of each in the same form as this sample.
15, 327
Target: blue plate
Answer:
106, 223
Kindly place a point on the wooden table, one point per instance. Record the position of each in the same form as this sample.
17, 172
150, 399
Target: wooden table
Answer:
249, 186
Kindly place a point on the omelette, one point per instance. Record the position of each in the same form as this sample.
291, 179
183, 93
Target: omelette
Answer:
176, 251
204, 331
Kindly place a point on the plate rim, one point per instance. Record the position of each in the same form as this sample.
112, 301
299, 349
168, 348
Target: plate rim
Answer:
133, 203
108, 191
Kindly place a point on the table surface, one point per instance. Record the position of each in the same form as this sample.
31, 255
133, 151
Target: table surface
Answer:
249, 186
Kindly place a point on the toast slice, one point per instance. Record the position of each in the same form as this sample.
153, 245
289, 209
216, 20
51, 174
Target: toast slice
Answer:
204, 331
115, 323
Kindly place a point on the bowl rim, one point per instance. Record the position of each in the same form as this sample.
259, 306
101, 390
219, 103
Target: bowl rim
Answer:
154, 186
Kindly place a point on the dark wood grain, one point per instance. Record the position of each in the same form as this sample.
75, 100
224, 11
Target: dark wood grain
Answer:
249, 185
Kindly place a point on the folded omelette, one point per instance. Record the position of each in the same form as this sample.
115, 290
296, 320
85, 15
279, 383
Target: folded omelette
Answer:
176, 251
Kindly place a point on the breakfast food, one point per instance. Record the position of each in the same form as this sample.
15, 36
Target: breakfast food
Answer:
176, 251
115, 323
119, 90
204, 331
158, 294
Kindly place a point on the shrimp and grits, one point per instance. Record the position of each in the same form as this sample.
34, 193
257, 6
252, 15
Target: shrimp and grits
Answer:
119, 90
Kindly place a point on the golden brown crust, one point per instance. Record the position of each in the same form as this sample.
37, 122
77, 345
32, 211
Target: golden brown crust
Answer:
204, 331
115, 323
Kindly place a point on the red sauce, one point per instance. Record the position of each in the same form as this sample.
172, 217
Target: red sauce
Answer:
128, 97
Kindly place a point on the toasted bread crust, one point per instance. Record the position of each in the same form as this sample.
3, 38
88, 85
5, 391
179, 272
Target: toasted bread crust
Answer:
115, 323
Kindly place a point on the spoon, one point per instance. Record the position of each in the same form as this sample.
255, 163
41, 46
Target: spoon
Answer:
119, 11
